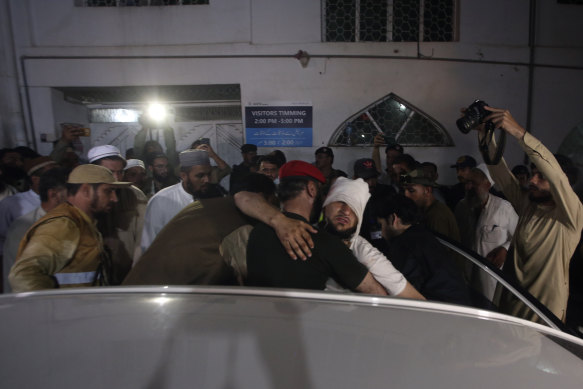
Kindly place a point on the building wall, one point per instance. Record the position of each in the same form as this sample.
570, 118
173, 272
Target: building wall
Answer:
252, 43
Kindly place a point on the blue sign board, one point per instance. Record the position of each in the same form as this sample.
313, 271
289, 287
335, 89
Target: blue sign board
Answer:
286, 125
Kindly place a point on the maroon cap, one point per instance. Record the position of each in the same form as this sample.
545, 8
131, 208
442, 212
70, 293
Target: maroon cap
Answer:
301, 169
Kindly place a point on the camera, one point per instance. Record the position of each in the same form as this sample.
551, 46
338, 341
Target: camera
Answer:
473, 116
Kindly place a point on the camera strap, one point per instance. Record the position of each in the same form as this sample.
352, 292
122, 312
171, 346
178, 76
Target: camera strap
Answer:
485, 149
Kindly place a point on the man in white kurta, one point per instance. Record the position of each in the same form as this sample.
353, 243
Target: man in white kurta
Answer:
487, 223
15, 233
195, 170
19, 204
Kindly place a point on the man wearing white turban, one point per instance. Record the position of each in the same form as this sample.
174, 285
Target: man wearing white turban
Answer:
343, 211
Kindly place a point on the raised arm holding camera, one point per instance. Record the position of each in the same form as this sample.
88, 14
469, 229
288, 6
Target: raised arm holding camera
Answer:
550, 219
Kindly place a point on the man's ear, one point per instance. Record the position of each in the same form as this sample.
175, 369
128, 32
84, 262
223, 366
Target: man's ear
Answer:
51, 194
312, 188
35, 180
86, 190
396, 221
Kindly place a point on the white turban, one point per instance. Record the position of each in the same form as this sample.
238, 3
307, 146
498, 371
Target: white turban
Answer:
354, 193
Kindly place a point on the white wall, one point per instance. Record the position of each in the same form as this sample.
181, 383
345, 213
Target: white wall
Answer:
260, 31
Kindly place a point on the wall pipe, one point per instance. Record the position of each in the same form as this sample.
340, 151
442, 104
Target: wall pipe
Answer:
530, 65
532, 48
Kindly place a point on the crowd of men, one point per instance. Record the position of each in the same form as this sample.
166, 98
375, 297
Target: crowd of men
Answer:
164, 219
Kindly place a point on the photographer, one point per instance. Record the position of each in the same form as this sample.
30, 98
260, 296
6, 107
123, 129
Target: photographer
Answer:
549, 225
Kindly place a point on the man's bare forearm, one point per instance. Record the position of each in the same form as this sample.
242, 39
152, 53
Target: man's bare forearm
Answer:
371, 286
255, 206
410, 292
293, 234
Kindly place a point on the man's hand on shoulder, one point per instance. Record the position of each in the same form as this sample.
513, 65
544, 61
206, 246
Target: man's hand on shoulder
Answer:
294, 236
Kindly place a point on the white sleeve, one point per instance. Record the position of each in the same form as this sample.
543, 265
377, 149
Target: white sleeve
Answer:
512, 220
379, 266
152, 221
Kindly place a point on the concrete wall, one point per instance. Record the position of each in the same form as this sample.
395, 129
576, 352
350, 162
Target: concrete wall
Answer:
252, 43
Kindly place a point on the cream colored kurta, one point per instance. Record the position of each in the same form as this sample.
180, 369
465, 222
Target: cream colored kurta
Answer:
546, 236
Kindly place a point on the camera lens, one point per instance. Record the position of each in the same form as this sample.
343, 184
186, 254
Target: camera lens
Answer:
465, 124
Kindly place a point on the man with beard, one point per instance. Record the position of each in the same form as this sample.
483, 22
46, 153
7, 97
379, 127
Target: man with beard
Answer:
121, 228
343, 211
195, 170
418, 186
64, 249
487, 223
268, 263
549, 225
392, 151
52, 191
242, 170
161, 175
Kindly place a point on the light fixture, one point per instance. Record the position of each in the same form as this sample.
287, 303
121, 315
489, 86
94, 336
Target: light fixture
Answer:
125, 115
157, 112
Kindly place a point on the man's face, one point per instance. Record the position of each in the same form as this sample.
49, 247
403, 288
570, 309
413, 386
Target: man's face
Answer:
391, 154
323, 161
153, 147
417, 193
523, 180
60, 194
197, 180
341, 219
398, 169
248, 157
269, 169
463, 173
159, 169
539, 189
477, 189
116, 167
12, 159
136, 175
372, 183
103, 198
387, 229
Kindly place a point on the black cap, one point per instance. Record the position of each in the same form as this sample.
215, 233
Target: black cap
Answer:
394, 146
520, 169
365, 168
326, 150
247, 148
465, 161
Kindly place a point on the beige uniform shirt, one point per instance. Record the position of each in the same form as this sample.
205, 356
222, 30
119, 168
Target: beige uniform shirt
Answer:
545, 237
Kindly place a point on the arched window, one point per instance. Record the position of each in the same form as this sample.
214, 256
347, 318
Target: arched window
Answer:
398, 120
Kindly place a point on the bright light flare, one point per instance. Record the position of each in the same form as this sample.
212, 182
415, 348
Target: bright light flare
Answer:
157, 112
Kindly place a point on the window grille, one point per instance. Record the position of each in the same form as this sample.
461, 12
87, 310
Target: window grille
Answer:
389, 20
136, 3
398, 120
